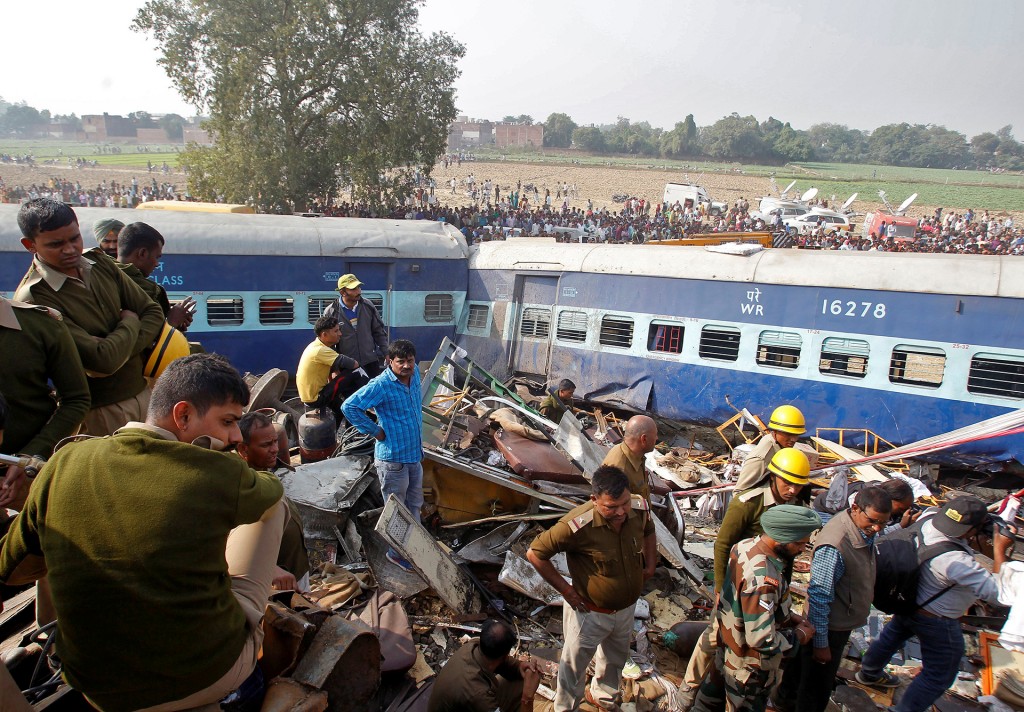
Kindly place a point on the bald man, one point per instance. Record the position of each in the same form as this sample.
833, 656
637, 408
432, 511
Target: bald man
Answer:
639, 438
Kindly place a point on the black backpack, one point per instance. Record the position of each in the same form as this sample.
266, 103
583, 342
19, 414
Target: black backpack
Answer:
898, 562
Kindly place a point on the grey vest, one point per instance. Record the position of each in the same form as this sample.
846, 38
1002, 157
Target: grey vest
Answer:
854, 591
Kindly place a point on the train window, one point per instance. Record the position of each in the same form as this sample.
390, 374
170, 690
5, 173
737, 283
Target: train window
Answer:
437, 307
536, 323
224, 311
996, 375
316, 306
917, 366
719, 342
780, 349
572, 326
616, 331
477, 316
844, 357
277, 310
377, 300
665, 337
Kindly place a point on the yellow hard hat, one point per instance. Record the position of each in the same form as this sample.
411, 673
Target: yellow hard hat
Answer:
787, 419
171, 344
791, 465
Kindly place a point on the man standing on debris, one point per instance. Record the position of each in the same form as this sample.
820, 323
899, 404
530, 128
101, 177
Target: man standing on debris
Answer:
481, 677
788, 473
610, 548
755, 624
785, 427
639, 438
111, 320
159, 549
395, 397
324, 377
838, 599
949, 585
558, 402
364, 338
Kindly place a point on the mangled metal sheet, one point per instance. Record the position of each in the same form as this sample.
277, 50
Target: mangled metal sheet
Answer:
491, 547
323, 491
635, 395
578, 446
433, 563
520, 575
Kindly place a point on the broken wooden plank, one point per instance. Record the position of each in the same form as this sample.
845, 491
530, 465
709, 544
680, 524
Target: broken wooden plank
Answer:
411, 539
865, 473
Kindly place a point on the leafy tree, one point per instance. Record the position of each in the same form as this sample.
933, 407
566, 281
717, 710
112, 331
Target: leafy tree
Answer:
792, 145
558, 131
837, 142
733, 137
70, 119
589, 138
305, 96
19, 119
174, 126
142, 120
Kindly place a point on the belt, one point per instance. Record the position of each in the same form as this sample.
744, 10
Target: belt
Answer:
597, 609
929, 614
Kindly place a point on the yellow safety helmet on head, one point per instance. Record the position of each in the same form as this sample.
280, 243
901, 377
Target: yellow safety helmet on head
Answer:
171, 344
787, 419
791, 465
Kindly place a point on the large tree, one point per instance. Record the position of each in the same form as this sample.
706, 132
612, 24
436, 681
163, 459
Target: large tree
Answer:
558, 131
306, 96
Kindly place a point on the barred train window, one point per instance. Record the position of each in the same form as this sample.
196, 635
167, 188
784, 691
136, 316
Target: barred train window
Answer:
917, 366
437, 307
996, 375
665, 337
477, 316
572, 326
780, 349
536, 323
844, 357
224, 311
277, 310
377, 300
316, 306
719, 342
616, 331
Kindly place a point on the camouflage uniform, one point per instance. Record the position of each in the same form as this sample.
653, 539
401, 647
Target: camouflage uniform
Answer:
752, 607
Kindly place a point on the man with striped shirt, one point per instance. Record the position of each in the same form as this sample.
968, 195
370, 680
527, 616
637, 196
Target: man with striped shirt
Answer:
395, 397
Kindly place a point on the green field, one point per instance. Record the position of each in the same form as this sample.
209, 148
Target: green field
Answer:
129, 157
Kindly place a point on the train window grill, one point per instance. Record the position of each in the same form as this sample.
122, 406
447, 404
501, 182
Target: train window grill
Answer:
316, 306
665, 338
779, 349
377, 300
437, 307
477, 316
719, 342
276, 310
572, 326
536, 323
844, 357
224, 311
917, 366
996, 375
616, 331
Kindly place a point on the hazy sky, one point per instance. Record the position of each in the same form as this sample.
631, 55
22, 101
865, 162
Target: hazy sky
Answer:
863, 63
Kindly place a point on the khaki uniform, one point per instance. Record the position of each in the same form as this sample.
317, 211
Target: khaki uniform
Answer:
755, 467
466, 685
153, 290
752, 608
607, 571
553, 409
623, 458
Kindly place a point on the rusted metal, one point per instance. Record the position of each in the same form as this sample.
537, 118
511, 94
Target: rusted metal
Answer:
343, 661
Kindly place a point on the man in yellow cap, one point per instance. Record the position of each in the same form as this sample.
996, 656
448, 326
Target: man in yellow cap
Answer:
789, 472
785, 427
363, 334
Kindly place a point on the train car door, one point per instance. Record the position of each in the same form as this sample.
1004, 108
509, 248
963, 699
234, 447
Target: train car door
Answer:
534, 302
377, 280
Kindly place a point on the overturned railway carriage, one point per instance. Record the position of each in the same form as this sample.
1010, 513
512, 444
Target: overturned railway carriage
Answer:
924, 344
260, 281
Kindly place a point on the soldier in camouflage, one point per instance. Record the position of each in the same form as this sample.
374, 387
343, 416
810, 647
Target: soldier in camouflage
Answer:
756, 627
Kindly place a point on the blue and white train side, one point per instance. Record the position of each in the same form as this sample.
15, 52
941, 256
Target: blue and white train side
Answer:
923, 344
260, 281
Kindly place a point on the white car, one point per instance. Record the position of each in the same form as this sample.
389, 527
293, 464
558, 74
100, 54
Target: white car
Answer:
830, 220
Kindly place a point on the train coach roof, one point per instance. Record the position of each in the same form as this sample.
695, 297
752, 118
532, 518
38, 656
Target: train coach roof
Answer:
232, 234
981, 275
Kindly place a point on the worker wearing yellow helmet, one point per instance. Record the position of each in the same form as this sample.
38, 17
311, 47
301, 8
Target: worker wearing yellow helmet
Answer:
785, 426
788, 472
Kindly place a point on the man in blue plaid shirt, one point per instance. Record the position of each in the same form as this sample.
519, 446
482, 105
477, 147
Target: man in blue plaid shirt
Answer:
394, 396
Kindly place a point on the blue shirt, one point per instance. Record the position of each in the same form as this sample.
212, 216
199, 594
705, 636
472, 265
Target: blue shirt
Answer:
398, 414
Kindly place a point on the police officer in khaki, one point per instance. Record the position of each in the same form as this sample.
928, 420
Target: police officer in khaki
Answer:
785, 426
639, 438
610, 547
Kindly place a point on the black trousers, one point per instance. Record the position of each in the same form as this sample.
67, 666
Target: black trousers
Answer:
807, 685
337, 390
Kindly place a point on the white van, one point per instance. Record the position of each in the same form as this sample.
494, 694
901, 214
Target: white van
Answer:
690, 195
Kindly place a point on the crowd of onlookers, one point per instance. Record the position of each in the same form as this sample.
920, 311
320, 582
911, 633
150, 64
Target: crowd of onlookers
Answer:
105, 194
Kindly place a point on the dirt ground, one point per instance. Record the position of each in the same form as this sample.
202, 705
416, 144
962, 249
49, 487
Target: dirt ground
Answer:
598, 183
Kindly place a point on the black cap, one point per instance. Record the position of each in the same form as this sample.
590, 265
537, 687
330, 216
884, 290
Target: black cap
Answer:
958, 516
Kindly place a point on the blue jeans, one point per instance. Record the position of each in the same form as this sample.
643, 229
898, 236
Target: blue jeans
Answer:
942, 647
405, 481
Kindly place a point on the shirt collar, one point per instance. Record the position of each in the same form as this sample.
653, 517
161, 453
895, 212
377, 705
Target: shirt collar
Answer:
8, 318
204, 441
636, 460
55, 278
